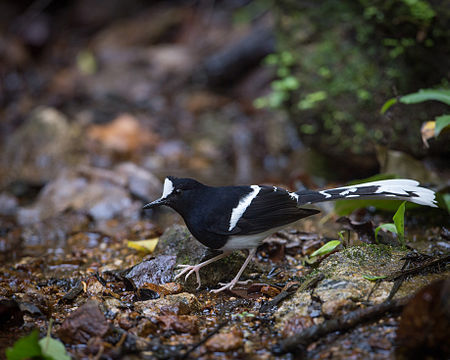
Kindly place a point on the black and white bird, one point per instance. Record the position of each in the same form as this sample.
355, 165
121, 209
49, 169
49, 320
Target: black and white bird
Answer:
232, 218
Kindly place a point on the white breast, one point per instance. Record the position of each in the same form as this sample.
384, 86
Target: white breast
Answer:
240, 242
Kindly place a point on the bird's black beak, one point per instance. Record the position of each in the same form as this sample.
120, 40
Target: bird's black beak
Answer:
155, 203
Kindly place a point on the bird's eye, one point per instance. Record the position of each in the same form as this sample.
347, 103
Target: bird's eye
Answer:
177, 191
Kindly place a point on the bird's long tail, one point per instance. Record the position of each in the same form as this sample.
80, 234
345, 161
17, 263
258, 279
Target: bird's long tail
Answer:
395, 189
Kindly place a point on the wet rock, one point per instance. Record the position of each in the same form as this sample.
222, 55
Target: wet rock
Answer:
113, 307
146, 327
8, 204
296, 324
110, 200
337, 307
179, 323
40, 148
125, 323
93, 287
177, 241
141, 183
344, 287
100, 197
158, 270
154, 291
73, 293
83, 324
52, 232
178, 304
224, 342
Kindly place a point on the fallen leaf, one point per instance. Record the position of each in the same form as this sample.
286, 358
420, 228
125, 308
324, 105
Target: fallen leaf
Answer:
427, 131
122, 135
327, 248
25, 348
145, 246
373, 277
53, 349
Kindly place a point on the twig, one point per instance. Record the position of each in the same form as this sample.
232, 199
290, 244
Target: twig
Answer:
399, 276
298, 343
310, 283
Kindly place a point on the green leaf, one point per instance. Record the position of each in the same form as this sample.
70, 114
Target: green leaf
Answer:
373, 277
446, 201
399, 221
387, 105
25, 348
53, 349
387, 227
327, 248
427, 94
442, 122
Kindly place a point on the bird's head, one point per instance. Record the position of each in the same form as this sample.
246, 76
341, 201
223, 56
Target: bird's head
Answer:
176, 191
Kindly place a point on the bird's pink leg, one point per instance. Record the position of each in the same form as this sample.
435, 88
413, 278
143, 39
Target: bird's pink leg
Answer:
189, 269
233, 282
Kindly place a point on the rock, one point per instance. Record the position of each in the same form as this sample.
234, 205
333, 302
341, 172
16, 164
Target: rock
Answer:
146, 327
158, 270
8, 204
52, 232
83, 324
101, 197
296, 324
344, 287
179, 323
113, 307
177, 241
178, 304
107, 201
40, 148
224, 342
141, 183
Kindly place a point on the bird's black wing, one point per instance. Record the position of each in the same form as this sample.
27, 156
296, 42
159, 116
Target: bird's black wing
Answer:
273, 207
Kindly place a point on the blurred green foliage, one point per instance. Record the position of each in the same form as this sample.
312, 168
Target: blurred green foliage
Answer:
339, 60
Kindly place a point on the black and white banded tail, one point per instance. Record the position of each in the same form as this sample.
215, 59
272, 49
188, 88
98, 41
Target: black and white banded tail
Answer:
395, 189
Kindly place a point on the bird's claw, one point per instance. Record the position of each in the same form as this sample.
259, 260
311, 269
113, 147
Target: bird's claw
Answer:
189, 269
230, 285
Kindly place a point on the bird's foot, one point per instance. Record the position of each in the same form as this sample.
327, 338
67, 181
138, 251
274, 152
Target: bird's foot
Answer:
189, 269
230, 285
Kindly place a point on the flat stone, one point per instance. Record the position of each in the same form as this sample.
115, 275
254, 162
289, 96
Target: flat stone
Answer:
84, 323
178, 304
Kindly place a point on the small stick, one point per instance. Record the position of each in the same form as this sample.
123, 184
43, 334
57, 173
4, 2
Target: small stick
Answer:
298, 342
